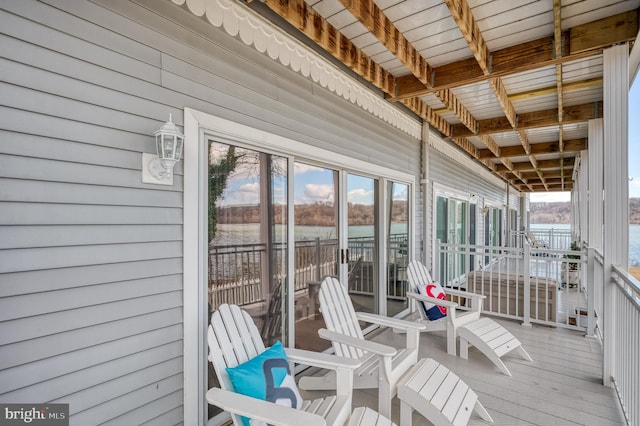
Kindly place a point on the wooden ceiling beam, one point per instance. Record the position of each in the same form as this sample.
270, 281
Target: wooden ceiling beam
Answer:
461, 13
548, 173
552, 90
548, 181
453, 104
501, 93
370, 15
604, 32
425, 112
466, 146
533, 120
534, 163
538, 187
532, 177
546, 91
509, 165
374, 19
302, 16
491, 145
526, 165
527, 56
524, 141
574, 145
491, 165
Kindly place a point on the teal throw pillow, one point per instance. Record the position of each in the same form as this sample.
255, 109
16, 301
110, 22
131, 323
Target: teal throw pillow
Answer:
267, 377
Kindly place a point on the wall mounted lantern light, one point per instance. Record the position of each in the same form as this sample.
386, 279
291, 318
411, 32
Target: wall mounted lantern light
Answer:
158, 169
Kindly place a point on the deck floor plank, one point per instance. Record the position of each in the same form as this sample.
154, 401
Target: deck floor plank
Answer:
563, 386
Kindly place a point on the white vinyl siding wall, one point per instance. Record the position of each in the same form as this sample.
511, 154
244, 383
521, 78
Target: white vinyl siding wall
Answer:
90, 257
448, 172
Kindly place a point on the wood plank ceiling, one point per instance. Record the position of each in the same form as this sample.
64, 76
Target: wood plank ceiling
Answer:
511, 82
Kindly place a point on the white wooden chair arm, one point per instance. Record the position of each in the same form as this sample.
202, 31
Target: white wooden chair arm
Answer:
476, 299
365, 345
274, 414
439, 302
390, 322
320, 360
466, 294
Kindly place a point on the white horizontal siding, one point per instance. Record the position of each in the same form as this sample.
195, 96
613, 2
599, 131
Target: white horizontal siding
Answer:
77, 323
90, 257
35, 281
60, 365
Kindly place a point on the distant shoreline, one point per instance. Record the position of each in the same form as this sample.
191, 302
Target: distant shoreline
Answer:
560, 212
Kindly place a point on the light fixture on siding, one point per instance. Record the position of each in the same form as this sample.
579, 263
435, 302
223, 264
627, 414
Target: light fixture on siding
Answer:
158, 169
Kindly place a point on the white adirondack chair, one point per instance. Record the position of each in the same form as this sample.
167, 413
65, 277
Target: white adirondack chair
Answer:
381, 366
492, 339
234, 338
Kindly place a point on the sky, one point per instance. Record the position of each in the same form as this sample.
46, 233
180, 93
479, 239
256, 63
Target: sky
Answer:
634, 152
312, 184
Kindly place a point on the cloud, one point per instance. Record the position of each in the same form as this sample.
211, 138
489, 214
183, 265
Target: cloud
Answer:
360, 196
400, 192
247, 194
317, 193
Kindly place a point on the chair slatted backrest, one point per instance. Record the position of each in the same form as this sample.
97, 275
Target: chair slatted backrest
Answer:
339, 316
233, 339
417, 273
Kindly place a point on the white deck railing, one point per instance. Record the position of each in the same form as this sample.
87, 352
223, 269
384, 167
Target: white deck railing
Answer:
549, 237
236, 271
625, 372
532, 285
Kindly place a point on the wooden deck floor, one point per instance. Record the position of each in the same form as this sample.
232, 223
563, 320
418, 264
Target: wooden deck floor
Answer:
561, 387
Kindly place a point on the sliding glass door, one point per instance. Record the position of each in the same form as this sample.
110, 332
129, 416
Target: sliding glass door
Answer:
316, 220
397, 246
360, 258
247, 237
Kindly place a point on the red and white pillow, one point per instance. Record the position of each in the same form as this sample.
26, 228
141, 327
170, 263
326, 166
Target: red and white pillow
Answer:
431, 310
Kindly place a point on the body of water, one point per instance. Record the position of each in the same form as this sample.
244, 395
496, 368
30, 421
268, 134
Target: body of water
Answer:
634, 239
249, 233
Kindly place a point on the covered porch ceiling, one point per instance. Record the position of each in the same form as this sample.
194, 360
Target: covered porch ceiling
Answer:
513, 83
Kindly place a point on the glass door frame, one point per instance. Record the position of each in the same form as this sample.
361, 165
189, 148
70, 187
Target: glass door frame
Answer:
459, 196
199, 127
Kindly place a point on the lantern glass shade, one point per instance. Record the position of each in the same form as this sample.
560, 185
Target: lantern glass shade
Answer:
169, 147
169, 142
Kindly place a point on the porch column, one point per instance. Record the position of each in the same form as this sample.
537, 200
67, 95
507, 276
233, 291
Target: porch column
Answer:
616, 191
596, 170
425, 244
583, 185
595, 220
524, 211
